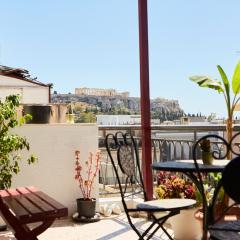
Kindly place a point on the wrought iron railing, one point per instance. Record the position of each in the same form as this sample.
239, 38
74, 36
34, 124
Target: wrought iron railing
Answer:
168, 143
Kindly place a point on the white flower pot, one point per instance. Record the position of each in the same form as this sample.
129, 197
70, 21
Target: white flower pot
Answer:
186, 226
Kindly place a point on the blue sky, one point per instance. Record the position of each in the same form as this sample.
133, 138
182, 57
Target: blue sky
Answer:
93, 43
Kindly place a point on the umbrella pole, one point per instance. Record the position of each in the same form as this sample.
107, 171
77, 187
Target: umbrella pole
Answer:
145, 99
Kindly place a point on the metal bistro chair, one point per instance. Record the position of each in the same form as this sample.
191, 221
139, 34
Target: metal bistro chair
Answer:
218, 226
123, 152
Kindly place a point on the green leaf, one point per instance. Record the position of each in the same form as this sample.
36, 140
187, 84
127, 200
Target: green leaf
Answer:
205, 81
225, 83
236, 79
32, 159
21, 121
224, 79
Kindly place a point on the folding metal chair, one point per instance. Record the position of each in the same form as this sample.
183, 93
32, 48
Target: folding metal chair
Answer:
123, 152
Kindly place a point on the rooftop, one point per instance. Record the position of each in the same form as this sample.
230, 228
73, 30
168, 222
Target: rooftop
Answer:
20, 73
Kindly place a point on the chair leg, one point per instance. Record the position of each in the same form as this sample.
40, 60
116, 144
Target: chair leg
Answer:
166, 232
160, 225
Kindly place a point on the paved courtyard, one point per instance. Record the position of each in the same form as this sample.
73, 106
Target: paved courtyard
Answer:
115, 227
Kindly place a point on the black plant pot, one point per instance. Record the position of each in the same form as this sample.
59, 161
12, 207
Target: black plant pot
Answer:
86, 207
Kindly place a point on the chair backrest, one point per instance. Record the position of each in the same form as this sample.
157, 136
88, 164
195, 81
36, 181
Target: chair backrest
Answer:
220, 149
123, 153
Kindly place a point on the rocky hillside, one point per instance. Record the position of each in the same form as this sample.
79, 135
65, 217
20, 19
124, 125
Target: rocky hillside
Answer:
161, 108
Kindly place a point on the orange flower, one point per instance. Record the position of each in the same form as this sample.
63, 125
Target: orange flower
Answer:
86, 183
77, 152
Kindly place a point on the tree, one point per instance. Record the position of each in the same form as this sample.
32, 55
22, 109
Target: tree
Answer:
11, 144
86, 118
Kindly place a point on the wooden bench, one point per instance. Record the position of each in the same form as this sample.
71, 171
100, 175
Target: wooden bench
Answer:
22, 206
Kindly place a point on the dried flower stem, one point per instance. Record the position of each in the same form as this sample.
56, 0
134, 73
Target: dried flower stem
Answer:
96, 170
87, 185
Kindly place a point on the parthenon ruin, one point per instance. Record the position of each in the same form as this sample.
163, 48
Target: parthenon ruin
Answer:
100, 92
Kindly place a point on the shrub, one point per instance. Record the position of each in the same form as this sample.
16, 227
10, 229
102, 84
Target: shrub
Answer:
11, 144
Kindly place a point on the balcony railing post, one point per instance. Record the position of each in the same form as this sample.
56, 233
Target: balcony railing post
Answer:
195, 136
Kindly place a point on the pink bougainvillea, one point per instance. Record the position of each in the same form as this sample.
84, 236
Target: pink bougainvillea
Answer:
90, 168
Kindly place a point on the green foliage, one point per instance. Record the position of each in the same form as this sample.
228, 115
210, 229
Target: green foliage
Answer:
166, 115
223, 86
209, 191
11, 144
210, 183
86, 117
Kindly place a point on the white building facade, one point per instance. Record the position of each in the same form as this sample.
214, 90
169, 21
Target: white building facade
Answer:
17, 81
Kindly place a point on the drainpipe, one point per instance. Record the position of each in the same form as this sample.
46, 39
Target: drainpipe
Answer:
50, 85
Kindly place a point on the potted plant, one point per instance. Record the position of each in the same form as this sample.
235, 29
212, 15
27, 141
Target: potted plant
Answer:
11, 144
224, 87
173, 186
85, 175
205, 147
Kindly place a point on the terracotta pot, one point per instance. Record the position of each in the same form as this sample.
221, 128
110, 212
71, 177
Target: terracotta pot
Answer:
186, 226
86, 207
207, 158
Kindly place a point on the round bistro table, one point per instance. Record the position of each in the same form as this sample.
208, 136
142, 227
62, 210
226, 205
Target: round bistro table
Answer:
188, 168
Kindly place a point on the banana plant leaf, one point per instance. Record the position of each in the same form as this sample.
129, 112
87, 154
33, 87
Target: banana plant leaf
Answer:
208, 82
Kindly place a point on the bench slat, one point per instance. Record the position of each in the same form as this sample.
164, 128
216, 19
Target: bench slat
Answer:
30, 205
24, 202
52, 202
16, 208
4, 193
34, 199
22, 206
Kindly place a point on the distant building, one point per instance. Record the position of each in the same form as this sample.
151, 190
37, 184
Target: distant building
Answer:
100, 92
191, 120
18, 81
168, 122
197, 119
118, 119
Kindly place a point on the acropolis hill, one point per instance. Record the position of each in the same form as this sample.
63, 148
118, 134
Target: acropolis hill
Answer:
109, 99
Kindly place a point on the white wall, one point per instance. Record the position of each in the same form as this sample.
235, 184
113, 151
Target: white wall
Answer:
31, 93
55, 144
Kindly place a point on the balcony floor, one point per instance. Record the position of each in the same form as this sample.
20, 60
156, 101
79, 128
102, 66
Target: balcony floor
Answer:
114, 227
